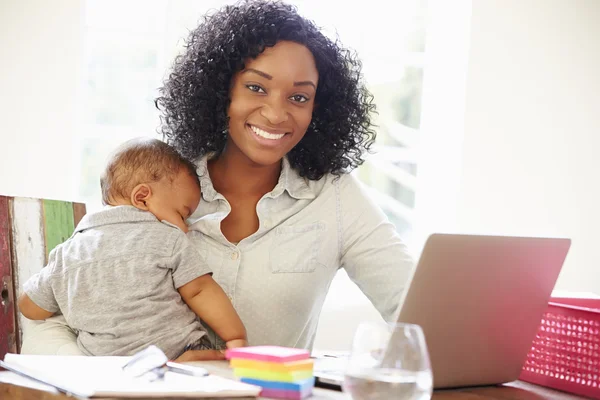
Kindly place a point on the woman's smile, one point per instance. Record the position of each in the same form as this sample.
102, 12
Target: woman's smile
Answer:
268, 137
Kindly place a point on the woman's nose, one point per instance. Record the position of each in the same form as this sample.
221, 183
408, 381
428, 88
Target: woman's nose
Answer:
275, 112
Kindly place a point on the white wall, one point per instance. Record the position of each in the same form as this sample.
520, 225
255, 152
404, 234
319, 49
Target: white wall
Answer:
531, 161
442, 117
525, 153
41, 48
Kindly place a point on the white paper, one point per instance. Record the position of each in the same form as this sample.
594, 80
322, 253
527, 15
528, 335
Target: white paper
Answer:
14, 379
104, 377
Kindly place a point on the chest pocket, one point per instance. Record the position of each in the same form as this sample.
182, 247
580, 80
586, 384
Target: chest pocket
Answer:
296, 248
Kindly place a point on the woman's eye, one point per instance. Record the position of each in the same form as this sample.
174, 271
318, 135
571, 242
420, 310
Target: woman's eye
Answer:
255, 88
298, 98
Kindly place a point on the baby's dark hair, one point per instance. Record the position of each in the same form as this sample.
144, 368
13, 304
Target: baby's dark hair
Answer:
140, 160
195, 97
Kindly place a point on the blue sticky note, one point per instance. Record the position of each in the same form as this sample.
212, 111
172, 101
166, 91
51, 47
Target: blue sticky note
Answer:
297, 386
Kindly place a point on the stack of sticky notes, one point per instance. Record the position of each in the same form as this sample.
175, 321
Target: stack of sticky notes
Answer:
282, 372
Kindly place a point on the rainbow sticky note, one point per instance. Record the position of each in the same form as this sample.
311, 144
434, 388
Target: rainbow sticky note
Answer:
282, 372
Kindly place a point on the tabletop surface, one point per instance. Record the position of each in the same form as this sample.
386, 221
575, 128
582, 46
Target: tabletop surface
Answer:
512, 391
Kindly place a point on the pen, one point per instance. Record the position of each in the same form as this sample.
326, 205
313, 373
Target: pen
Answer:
186, 369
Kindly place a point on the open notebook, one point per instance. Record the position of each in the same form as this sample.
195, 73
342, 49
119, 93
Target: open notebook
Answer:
104, 377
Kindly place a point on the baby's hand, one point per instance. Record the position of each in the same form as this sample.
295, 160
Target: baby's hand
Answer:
232, 344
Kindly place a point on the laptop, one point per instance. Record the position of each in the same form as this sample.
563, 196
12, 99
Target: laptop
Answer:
479, 300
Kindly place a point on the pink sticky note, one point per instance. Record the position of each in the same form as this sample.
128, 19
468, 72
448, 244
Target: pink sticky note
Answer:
268, 353
285, 394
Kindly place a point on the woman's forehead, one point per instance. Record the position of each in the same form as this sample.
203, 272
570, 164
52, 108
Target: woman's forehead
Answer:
286, 60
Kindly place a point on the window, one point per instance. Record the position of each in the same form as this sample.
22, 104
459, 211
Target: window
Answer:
128, 48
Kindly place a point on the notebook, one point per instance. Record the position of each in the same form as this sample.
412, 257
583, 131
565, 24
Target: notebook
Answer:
104, 377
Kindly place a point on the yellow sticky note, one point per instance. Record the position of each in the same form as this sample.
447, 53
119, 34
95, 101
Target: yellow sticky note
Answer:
302, 365
290, 376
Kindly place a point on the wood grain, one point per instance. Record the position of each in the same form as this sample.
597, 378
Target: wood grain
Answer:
29, 249
13, 392
8, 337
79, 211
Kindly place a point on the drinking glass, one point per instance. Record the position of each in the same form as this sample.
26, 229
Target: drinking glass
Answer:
388, 361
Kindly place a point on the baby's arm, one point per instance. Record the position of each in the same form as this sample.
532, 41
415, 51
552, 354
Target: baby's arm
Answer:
193, 279
30, 310
206, 298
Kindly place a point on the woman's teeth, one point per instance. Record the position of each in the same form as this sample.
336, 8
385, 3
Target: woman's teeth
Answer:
266, 135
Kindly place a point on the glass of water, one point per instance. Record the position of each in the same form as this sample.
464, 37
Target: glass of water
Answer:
389, 361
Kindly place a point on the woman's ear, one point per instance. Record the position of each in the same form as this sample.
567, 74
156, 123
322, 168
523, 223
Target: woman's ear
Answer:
140, 195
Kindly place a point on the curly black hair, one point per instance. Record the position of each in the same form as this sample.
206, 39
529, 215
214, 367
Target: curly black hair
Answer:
196, 95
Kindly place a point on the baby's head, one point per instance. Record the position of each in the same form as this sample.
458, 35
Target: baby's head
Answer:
152, 176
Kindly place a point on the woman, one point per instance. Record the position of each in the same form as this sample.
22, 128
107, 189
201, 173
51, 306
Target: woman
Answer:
276, 116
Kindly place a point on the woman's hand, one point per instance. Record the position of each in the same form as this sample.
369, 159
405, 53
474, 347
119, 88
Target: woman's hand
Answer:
201, 355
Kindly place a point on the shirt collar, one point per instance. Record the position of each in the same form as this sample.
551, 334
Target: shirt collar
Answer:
289, 180
114, 215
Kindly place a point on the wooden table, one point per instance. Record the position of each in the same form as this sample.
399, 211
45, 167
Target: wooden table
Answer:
512, 391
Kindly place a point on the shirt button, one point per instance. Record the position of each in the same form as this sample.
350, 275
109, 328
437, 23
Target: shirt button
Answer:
230, 297
234, 256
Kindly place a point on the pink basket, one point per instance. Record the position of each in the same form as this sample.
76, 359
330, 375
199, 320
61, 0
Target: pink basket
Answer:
565, 354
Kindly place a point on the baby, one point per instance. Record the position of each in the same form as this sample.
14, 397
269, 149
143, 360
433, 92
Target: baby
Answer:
125, 278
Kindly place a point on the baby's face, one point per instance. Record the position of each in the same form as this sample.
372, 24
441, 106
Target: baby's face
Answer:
174, 201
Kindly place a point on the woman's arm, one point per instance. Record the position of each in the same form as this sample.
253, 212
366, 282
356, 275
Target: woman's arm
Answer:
372, 252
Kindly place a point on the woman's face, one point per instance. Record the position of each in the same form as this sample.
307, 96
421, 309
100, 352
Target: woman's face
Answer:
272, 101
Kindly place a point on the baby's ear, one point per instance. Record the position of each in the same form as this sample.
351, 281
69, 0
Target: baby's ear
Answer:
140, 195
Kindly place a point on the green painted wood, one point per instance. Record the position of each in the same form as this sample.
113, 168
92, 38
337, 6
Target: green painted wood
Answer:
58, 222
